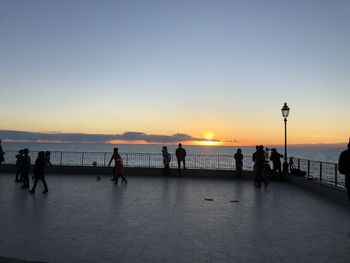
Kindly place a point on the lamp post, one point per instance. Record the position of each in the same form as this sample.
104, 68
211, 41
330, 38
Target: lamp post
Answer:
285, 112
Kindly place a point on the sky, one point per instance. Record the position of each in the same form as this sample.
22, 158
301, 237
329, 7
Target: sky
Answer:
214, 72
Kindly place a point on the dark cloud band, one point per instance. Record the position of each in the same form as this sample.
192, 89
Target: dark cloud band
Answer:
96, 138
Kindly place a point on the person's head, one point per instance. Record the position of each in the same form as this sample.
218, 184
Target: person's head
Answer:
257, 147
165, 148
41, 154
180, 145
47, 153
20, 151
115, 150
273, 150
261, 147
239, 150
25, 151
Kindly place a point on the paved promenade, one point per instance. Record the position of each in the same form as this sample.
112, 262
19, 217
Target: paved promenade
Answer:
155, 219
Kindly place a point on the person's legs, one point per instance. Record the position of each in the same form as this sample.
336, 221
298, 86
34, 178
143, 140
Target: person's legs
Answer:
123, 179
184, 162
114, 172
45, 184
34, 185
25, 178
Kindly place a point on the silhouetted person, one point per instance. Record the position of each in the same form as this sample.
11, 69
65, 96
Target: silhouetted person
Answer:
25, 166
344, 167
276, 163
48, 158
19, 176
259, 161
39, 172
115, 157
166, 160
239, 161
120, 171
2, 158
180, 156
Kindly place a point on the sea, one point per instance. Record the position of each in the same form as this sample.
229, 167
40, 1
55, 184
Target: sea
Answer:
317, 153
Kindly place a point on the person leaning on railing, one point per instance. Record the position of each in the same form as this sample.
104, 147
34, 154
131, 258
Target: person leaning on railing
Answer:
344, 167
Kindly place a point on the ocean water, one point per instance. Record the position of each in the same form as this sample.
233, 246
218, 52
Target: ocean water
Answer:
323, 154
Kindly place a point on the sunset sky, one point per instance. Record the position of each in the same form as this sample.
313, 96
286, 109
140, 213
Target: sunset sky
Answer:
211, 70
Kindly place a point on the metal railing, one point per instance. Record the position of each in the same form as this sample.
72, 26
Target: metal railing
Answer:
321, 171
151, 160
325, 172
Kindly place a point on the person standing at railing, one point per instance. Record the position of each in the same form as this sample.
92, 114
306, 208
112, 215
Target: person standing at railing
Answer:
259, 161
166, 160
2, 159
239, 161
25, 166
19, 173
276, 163
180, 156
344, 167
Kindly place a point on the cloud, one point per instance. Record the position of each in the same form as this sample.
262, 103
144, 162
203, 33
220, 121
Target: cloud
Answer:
10, 135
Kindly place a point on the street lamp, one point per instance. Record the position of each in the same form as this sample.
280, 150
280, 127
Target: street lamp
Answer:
285, 112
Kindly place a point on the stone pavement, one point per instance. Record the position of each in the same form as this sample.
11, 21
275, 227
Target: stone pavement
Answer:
155, 219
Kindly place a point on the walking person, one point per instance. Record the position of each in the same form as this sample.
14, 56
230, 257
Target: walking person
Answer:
2, 153
180, 156
276, 163
259, 161
115, 156
166, 160
118, 169
39, 172
25, 166
239, 161
344, 167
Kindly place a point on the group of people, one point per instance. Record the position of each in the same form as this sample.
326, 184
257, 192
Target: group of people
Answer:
261, 159
180, 154
23, 163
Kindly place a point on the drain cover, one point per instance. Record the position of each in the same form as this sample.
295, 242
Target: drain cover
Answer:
209, 199
234, 201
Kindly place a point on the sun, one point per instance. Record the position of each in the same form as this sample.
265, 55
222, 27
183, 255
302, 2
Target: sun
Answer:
208, 136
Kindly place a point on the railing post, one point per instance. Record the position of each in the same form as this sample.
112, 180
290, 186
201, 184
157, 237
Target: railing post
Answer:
82, 159
298, 164
61, 159
218, 162
149, 160
320, 171
104, 159
308, 169
336, 174
127, 159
